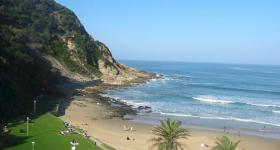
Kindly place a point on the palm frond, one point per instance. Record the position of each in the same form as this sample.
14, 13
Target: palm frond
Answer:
224, 143
168, 134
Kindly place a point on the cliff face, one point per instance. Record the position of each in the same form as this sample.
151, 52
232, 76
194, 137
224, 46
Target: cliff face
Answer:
42, 41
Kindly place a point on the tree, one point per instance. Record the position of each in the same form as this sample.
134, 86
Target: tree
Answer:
224, 143
168, 134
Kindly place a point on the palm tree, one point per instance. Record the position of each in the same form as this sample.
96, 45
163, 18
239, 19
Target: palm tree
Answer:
168, 134
224, 143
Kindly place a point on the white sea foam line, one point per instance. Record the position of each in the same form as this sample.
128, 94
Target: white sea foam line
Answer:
153, 80
212, 100
135, 103
176, 114
277, 112
242, 69
165, 78
182, 75
220, 118
263, 105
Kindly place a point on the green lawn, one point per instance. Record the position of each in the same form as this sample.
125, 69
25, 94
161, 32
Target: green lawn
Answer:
44, 130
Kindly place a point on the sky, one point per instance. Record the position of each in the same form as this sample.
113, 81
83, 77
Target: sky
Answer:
220, 31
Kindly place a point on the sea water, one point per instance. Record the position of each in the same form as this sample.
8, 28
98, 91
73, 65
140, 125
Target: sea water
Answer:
235, 96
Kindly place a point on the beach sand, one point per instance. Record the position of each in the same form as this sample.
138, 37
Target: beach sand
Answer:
92, 117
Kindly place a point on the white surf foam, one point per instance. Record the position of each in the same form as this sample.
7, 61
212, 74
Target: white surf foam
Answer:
176, 114
213, 99
263, 105
210, 99
220, 118
135, 103
242, 69
276, 112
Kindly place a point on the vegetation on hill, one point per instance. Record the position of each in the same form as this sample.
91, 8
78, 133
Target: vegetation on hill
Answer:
33, 35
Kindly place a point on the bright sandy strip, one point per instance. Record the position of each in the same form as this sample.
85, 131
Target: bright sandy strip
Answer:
90, 117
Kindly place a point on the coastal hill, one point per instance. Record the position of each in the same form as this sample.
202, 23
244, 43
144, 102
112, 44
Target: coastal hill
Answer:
42, 44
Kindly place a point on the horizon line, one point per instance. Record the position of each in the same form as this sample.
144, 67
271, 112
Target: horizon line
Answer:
198, 62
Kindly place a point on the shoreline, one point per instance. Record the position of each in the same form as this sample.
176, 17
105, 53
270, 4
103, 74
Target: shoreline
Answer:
102, 118
215, 125
248, 127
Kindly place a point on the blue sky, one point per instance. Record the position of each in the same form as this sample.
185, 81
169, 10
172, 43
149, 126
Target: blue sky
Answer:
236, 31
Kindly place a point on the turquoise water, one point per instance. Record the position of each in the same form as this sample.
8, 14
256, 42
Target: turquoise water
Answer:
231, 92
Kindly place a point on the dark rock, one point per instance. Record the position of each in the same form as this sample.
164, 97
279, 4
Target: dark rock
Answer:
146, 109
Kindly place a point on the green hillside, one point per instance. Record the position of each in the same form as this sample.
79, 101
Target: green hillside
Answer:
34, 35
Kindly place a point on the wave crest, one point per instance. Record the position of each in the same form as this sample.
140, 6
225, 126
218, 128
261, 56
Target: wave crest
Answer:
276, 112
220, 118
212, 100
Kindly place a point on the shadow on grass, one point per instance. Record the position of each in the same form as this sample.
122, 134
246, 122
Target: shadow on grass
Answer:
56, 105
8, 140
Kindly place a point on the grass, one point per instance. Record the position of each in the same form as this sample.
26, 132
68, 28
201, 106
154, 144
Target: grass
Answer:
44, 130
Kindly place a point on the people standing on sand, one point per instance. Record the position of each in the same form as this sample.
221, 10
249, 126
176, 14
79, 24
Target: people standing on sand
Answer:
125, 128
262, 129
131, 129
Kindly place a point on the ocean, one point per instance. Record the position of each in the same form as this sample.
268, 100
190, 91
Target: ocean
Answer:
239, 97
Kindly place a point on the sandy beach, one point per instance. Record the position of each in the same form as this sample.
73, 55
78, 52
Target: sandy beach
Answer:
97, 119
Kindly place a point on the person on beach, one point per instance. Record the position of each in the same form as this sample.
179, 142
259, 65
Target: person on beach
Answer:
125, 128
